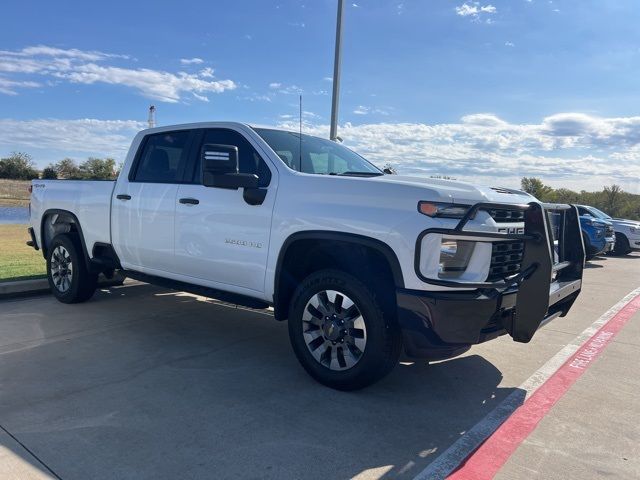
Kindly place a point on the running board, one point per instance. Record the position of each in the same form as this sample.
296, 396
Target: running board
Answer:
227, 297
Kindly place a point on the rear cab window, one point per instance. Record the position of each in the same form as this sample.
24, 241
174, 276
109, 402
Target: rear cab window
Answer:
162, 157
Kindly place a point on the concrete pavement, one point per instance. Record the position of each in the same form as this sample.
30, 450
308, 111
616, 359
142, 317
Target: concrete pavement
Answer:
145, 383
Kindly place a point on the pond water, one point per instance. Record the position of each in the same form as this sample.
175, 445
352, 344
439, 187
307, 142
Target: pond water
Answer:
14, 215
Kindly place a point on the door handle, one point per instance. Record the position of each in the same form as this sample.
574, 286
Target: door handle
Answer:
189, 201
123, 196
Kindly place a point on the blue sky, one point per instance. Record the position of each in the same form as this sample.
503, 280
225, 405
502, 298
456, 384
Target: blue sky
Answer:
485, 91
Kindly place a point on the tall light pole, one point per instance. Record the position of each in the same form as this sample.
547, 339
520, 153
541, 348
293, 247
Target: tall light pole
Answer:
333, 135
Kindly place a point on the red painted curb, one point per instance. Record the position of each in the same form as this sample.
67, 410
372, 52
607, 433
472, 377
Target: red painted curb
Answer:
487, 460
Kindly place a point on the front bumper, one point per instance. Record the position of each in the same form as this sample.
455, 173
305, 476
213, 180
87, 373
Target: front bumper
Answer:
439, 325
610, 245
442, 324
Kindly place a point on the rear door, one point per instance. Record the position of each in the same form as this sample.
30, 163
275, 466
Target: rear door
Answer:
143, 211
222, 235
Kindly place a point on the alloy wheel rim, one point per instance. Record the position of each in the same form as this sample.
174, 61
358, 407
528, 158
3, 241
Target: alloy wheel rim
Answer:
334, 330
61, 269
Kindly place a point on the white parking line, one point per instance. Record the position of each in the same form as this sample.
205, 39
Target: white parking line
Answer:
451, 458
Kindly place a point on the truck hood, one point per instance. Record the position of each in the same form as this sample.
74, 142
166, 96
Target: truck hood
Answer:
461, 192
625, 223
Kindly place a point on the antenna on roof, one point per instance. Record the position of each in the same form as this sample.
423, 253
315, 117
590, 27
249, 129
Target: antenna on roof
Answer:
300, 137
152, 116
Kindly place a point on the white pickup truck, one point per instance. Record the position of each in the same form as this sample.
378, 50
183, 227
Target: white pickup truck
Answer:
362, 264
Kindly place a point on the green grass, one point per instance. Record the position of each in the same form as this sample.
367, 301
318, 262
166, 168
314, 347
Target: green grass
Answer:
17, 260
14, 193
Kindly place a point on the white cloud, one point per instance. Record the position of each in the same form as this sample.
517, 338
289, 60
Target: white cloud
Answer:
483, 120
364, 110
255, 97
52, 139
43, 50
202, 98
573, 150
466, 10
475, 10
191, 61
509, 44
206, 72
275, 85
289, 89
9, 87
90, 67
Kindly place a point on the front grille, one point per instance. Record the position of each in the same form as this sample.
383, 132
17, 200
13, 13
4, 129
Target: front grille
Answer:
511, 216
506, 258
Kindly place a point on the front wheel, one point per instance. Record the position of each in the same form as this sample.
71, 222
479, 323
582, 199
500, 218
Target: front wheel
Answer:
339, 332
69, 278
622, 246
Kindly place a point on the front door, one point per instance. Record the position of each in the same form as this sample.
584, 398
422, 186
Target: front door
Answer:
222, 237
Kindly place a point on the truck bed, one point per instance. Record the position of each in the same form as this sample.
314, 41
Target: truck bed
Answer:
89, 200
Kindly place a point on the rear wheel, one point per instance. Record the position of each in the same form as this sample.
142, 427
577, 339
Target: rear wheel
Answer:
67, 272
340, 333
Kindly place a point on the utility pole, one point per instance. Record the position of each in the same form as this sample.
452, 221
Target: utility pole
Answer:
336, 73
152, 116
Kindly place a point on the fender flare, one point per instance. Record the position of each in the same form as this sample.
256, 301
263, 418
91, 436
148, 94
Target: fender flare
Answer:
355, 239
54, 211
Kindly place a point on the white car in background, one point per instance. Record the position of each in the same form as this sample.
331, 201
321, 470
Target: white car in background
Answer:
627, 231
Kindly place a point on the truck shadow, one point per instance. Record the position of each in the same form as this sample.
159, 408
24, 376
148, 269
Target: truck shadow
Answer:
591, 264
146, 383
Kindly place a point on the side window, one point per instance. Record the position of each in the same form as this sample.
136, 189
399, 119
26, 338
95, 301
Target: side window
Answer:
319, 162
249, 159
163, 158
325, 163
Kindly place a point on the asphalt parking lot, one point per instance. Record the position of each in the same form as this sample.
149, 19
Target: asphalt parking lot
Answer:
143, 383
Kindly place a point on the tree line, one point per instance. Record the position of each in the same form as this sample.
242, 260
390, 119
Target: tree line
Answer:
20, 166
611, 200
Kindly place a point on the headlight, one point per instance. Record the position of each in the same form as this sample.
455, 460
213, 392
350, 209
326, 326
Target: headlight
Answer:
634, 230
444, 210
454, 259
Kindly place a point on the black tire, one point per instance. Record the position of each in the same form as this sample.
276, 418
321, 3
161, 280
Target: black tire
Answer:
383, 336
80, 284
622, 246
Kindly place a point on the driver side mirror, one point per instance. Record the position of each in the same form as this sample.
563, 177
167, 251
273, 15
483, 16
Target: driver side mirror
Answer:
220, 168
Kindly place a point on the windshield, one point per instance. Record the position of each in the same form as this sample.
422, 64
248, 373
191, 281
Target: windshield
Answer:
319, 156
599, 213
